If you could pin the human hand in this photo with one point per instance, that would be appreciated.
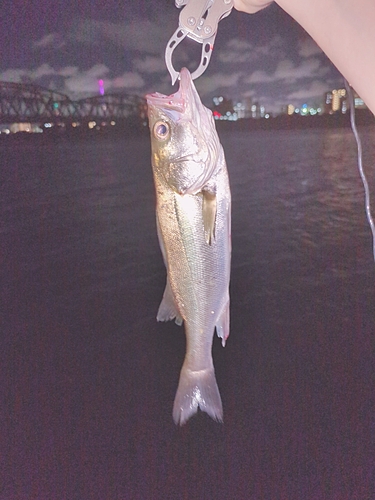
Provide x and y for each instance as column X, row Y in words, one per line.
column 251, row 6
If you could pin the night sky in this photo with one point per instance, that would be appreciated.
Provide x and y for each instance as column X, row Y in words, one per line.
column 68, row 46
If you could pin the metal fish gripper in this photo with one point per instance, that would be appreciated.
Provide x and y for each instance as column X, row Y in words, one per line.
column 199, row 21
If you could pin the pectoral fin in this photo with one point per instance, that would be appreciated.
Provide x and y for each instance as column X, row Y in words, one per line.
column 209, row 208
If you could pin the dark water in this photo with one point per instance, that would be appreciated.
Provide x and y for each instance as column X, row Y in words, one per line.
column 88, row 376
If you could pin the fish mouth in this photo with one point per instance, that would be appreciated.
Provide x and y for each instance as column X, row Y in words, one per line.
column 176, row 101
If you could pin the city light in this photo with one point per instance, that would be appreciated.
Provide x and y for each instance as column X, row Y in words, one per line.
column 331, row 102
column 334, row 101
column 37, row 110
column 101, row 86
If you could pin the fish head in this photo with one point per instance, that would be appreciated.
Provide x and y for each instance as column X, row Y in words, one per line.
column 184, row 142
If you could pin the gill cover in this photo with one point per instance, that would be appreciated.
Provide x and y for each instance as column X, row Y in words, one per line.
column 184, row 148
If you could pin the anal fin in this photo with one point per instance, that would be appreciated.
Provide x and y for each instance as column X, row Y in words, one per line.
column 167, row 309
column 222, row 325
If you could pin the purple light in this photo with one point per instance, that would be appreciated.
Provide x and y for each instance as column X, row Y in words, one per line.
column 101, row 87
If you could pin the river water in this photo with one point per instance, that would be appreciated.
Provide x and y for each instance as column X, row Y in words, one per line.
column 88, row 376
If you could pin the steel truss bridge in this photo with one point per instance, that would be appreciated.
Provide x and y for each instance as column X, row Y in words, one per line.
column 31, row 103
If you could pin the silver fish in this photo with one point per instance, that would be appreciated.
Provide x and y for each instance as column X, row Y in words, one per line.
column 193, row 214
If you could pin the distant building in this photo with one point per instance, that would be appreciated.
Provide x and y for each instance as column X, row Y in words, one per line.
column 24, row 127
column 257, row 111
column 304, row 110
column 247, row 103
column 239, row 110
column 101, row 87
column 359, row 102
column 222, row 107
column 290, row 109
column 335, row 101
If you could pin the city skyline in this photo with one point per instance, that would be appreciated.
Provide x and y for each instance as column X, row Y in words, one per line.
column 68, row 47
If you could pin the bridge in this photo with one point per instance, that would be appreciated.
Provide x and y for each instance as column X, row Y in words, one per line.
column 20, row 102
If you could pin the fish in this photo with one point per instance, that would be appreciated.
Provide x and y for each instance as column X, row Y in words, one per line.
column 193, row 221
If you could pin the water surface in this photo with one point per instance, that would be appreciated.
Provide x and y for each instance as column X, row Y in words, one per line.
column 89, row 376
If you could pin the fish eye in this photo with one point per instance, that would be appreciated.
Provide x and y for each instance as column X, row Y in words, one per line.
column 161, row 130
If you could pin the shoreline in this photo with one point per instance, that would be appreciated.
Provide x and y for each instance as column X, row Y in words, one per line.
column 135, row 128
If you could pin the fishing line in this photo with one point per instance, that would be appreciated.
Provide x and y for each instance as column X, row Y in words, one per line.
column 360, row 164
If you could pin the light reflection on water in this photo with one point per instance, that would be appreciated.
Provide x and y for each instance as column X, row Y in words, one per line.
column 301, row 191
column 297, row 203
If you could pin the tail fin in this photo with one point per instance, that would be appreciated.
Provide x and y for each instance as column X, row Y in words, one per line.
column 197, row 389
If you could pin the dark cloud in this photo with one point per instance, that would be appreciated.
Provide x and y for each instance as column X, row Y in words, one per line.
column 149, row 64
column 266, row 57
column 218, row 82
column 138, row 35
column 287, row 71
column 50, row 41
column 313, row 90
column 238, row 51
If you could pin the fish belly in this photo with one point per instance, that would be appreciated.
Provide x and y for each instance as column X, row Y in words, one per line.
column 197, row 289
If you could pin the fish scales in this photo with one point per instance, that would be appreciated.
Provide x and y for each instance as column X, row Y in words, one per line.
column 193, row 221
